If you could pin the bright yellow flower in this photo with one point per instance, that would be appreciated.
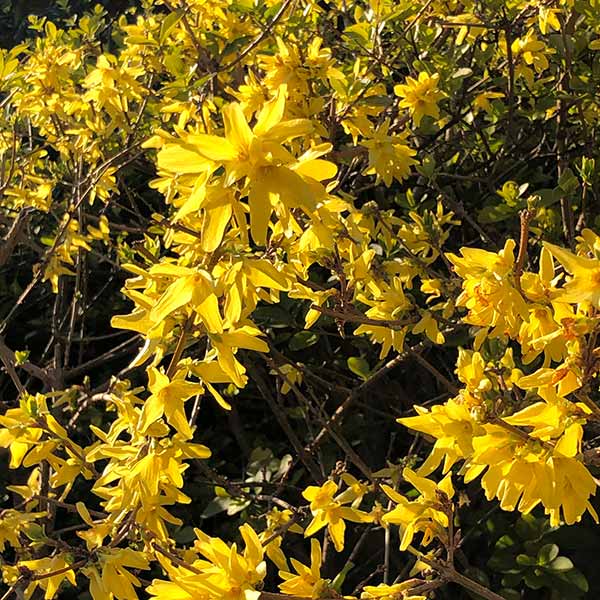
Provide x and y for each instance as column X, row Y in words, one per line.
column 328, row 512
column 397, row 591
column 110, row 577
column 420, row 96
column 308, row 582
column 225, row 574
column 425, row 514
column 522, row 473
column 277, row 519
column 454, row 428
column 389, row 156
column 268, row 172
column 584, row 283
column 489, row 291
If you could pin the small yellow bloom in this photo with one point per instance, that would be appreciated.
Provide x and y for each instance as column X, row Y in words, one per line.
column 420, row 96
column 329, row 512
column 308, row 582
column 584, row 284
column 425, row 514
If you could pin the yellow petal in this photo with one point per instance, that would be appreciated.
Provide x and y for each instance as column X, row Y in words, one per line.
column 213, row 147
column 177, row 295
column 182, row 159
column 236, row 127
column 214, row 225
column 260, row 211
column 318, row 169
column 271, row 114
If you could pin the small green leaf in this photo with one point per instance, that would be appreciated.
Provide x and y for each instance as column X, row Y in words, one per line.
column 427, row 167
column 359, row 366
column 302, row 340
column 510, row 594
column 339, row 579
column 497, row 213
column 185, row 535
column 461, row 73
column 547, row 554
column 34, row 532
column 512, row 579
column 567, row 182
column 535, row 581
column 577, row 578
column 168, row 23
column 562, row 563
column 524, row 560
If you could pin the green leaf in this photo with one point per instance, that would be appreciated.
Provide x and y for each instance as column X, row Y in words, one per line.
column 594, row 44
column 359, row 366
column 529, row 527
column 510, row 594
column 427, row 167
column 567, row 182
column 272, row 315
column 498, row 212
column 272, row 11
column 577, row 578
column 548, row 197
column 174, row 64
column 359, row 32
column 505, row 542
column 524, row 560
column 339, row 579
column 535, row 581
column 547, row 554
column 34, row 532
column 461, row 73
column 140, row 40
column 185, row 535
column 236, row 45
column 168, row 23
column 302, row 340
column 502, row 561
column 222, row 504
column 480, row 577
column 512, row 579
column 562, row 563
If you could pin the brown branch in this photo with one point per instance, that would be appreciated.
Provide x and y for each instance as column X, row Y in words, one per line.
column 441, row 378
column 202, row 53
column 91, row 181
column 520, row 433
column 8, row 360
column 264, row 33
column 172, row 368
column 526, row 216
column 284, row 423
column 14, row 234
column 357, row 392
column 510, row 92
column 175, row 559
column 449, row 573
column 67, row 506
column 76, row 565
column 121, row 349
column 332, row 430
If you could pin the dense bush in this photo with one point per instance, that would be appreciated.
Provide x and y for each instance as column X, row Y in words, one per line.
column 299, row 299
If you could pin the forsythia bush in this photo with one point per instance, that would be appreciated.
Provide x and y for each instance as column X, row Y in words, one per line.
column 300, row 299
